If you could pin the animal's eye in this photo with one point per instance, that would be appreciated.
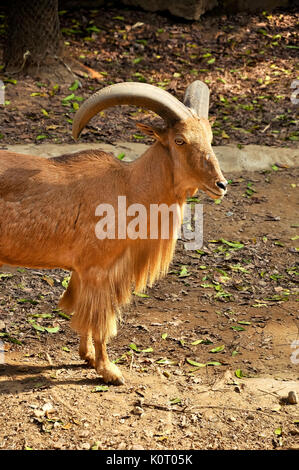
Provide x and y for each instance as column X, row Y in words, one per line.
column 179, row 140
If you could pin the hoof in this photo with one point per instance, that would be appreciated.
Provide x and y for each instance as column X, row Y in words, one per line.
column 111, row 374
column 90, row 362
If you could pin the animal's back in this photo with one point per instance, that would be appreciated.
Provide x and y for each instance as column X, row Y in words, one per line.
column 45, row 199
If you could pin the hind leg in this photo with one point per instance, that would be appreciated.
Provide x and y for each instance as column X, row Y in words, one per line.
column 86, row 349
column 68, row 304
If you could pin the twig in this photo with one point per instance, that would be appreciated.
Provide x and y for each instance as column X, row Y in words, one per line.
column 270, row 393
column 66, row 66
column 216, row 407
column 267, row 127
column 25, row 56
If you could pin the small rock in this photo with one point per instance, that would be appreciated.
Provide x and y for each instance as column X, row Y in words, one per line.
column 292, row 398
column 85, row 446
column 47, row 408
column 2, row 325
column 121, row 446
column 138, row 411
column 38, row 413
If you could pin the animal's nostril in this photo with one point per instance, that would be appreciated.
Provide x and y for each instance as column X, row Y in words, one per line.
column 221, row 185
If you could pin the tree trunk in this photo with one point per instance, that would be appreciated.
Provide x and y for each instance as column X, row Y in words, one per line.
column 33, row 35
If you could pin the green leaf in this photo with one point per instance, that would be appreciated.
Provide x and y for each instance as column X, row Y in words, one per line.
column 42, row 315
column 237, row 328
column 239, row 373
column 121, row 156
column 38, row 327
column 218, row 349
column 195, row 364
column 184, row 272
column 175, row 401
column 164, row 335
column 66, row 281
column 5, row 275
column 197, row 341
column 10, row 338
column 147, row 350
column 140, row 294
column 10, row 80
column 52, row 330
column 93, row 29
column 134, row 347
column 74, row 86
column 100, row 388
column 67, row 99
column 30, row 301
column 234, row 245
column 63, row 315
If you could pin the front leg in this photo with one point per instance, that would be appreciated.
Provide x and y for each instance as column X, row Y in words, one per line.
column 104, row 367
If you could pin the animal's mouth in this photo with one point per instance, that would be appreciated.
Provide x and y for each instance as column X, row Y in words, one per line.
column 214, row 194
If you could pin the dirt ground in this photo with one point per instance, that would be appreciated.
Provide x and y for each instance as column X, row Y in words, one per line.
column 248, row 61
column 209, row 355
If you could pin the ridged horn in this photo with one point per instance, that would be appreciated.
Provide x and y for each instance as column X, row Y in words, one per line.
column 197, row 97
column 131, row 93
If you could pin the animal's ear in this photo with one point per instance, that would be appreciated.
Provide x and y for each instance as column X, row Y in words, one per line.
column 154, row 132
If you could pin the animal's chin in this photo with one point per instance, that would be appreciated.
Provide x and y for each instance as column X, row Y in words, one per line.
column 212, row 194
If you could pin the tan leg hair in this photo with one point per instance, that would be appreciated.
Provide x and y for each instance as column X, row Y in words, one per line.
column 86, row 349
column 109, row 371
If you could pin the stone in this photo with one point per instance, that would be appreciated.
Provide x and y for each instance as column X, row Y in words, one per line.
column 292, row 398
column 188, row 9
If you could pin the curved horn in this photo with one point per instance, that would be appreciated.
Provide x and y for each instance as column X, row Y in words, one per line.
column 131, row 93
column 197, row 97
